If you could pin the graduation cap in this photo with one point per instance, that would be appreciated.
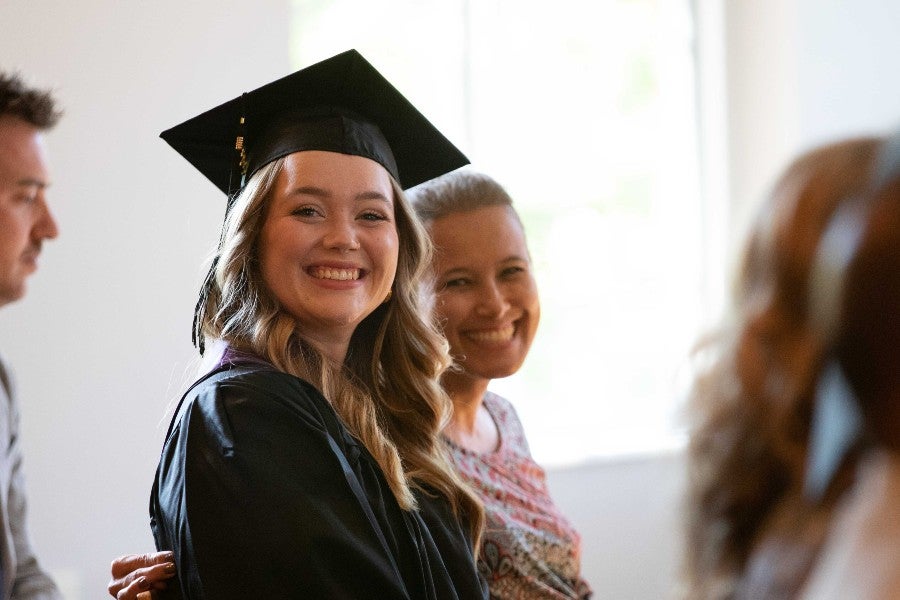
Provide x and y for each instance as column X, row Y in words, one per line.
column 341, row 104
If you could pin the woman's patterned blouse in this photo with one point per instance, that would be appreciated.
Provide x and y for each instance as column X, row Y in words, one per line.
column 529, row 549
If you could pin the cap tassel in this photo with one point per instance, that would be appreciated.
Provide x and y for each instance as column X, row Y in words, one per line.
column 240, row 158
column 197, row 337
column 238, row 165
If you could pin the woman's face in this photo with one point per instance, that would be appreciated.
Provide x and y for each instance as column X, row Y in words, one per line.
column 328, row 247
column 486, row 294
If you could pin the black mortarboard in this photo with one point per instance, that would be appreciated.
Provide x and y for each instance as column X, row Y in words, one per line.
column 341, row 104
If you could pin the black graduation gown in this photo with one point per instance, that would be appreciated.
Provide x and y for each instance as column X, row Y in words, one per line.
column 262, row 493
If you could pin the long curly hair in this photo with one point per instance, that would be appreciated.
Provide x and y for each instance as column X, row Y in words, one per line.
column 386, row 391
column 752, row 398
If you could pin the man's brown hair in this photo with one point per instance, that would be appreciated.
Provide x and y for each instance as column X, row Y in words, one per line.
column 36, row 107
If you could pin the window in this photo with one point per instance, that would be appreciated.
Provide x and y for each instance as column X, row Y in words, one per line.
column 585, row 111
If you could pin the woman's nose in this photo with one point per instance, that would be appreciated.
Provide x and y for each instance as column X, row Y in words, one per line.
column 341, row 235
column 492, row 302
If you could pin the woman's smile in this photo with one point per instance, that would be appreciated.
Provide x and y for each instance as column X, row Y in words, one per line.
column 491, row 336
column 337, row 274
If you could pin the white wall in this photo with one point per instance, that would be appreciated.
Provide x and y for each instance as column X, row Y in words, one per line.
column 102, row 341
column 101, row 345
column 848, row 65
column 800, row 73
column 628, row 512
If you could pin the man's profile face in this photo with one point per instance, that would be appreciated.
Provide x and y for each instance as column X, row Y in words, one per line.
column 25, row 219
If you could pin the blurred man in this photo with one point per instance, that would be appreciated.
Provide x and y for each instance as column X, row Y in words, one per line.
column 25, row 222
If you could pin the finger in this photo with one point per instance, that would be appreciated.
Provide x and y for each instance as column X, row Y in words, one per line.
column 126, row 564
column 145, row 596
column 135, row 590
column 115, row 587
column 154, row 577
column 158, row 574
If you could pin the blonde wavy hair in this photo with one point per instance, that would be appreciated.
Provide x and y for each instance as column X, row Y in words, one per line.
column 751, row 403
column 386, row 392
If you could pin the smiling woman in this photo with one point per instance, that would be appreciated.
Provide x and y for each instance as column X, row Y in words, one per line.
column 307, row 462
column 487, row 296
column 488, row 307
column 329, row 244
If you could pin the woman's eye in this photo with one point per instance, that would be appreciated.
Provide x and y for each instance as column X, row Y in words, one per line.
column 511, row 271
column 304, row 211
column 373, row 216
column 455, row 283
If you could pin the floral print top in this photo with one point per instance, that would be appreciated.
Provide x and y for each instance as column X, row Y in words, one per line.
column 529, row 549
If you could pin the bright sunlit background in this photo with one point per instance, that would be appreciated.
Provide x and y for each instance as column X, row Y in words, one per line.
column 586, row 114
column 591, row 112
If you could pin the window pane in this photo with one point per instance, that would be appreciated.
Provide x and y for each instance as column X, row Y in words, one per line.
column 585, row 111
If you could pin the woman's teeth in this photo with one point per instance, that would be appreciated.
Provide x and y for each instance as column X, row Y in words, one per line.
column 493, row 335
column 338, row 274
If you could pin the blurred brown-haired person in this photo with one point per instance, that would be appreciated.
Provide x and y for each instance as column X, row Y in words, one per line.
column 753, row 529
column 861, row 287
